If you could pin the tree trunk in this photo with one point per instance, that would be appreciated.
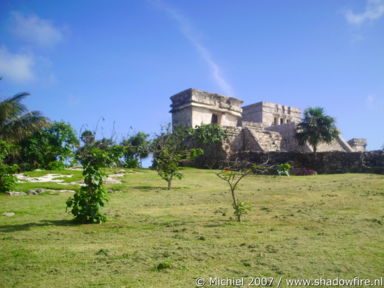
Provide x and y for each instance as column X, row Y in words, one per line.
column 315, row 151
column 235, row 206
column 170, row 182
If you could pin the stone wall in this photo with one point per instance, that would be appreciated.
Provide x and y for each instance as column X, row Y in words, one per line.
column 325, row 163
column 182, row 117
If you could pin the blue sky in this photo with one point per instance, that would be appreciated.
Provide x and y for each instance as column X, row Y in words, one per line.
column 114, row 64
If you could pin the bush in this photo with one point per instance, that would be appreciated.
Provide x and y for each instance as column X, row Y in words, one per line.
column 56, row 165
column 7, row 179
column 283, row 169
column 49, row 148
column 303, row 172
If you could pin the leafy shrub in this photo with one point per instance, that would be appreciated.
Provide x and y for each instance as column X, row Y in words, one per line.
column 283, row 169
column 107, row 145
column 208, row 134
column 131, row 163
column 49, row 148
column 7, row 178
column 303, row 171
column 56, row 165
column 135, row 148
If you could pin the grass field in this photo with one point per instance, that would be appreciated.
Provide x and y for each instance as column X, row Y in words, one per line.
column 299, row 227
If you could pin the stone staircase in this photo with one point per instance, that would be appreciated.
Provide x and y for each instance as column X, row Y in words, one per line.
column 260, row 140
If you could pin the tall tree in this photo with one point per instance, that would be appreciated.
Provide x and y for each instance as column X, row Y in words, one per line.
column 49, row 148
column 16, row 122
column 316, row 127
column 136, row 148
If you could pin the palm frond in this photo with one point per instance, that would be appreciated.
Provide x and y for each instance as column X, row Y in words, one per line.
column 16, row 129
column 12, row 107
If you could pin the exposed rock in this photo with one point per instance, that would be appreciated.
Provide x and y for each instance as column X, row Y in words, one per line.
column 12, row 193
column 8, row 214
column 45, row 178
column 32, row 192
column 113, row 178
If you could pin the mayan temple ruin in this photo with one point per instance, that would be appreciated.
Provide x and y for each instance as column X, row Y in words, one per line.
column 259, row 127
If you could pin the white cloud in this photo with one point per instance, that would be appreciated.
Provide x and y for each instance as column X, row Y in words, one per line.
column 190, row 33
column 35, row 30
column 373, row 11
column 16, row 67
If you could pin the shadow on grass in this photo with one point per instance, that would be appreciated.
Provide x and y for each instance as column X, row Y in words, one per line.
column 42, row 223
column 147, row 188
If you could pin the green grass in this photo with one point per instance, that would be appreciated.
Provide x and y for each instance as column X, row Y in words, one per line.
column 299, row 227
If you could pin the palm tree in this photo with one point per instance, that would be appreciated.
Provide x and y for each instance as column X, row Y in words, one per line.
column 316, row 127
column 16, row 122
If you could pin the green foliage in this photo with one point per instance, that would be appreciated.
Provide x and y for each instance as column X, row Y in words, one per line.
column 16, row 123
column 88, row 137
column 208, row 134
column 241, row 209
column 49, row 148
column 167, row 162
column 316, row 127
column 233, row 178
column 283, row 169
column 88, row 200
column 105, row 144
column 56, row 165
column 136, row 148
column 7, row 178
column 169, row 150
column 168, row 165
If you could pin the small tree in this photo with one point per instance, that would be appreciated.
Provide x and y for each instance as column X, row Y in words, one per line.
column 316, row 127
column 169, row 150
column 87, row 202
column 233, row 178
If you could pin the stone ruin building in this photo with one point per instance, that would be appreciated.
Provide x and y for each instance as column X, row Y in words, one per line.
column 259, row 127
